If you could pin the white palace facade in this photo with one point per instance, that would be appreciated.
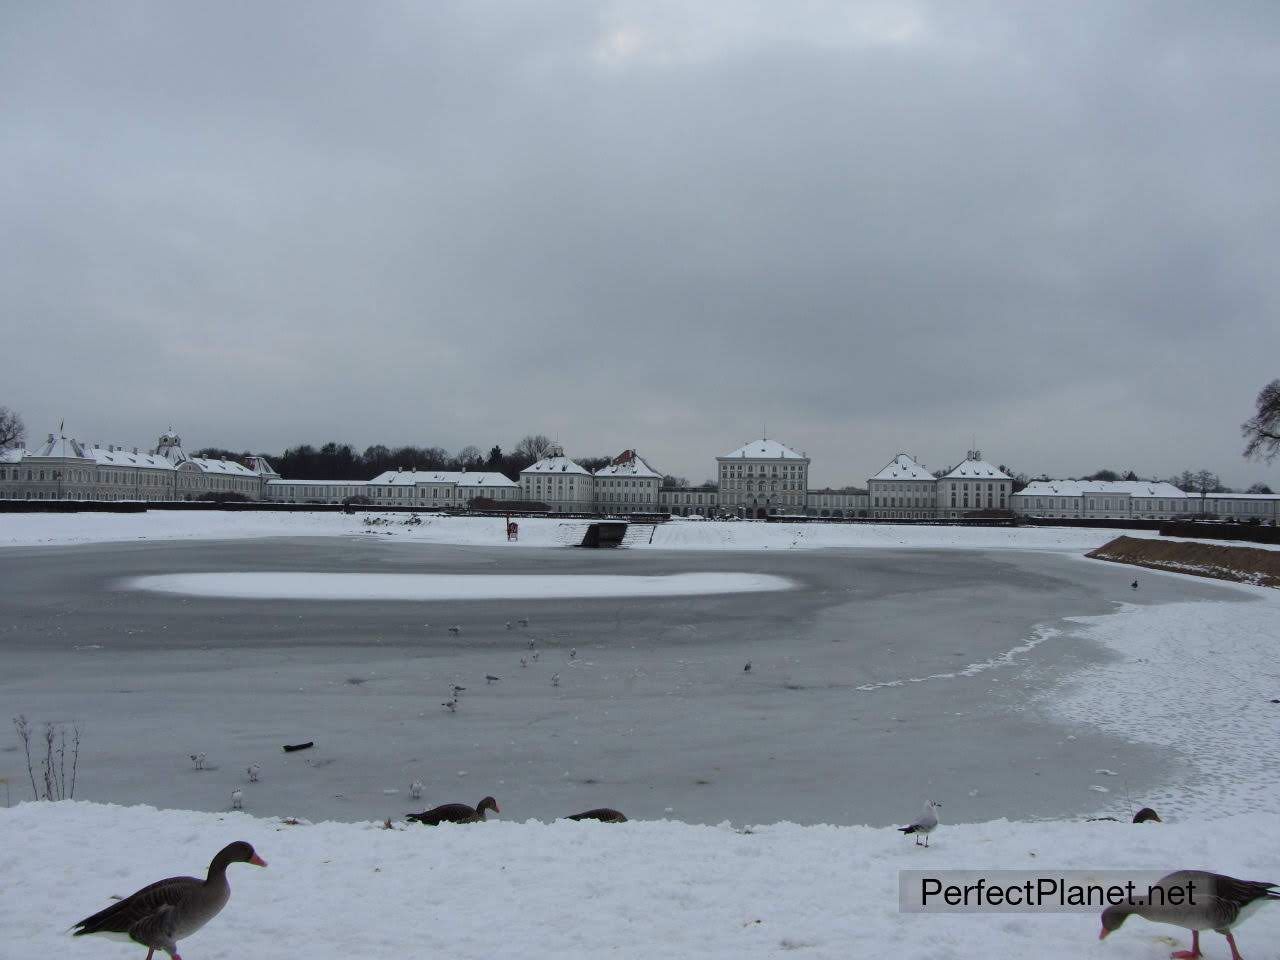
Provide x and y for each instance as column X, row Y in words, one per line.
column 762, row 478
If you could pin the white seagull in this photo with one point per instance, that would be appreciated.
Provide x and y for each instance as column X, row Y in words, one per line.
column 237, row 799
column 253, row 771
column 415, row 789
column 925, row 824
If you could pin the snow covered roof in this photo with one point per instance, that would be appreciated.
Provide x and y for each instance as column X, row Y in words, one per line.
column 62, row 448
column 903, row 467
column 462, row 478
column 119, row 457
column 556, row 465
column 222, row 466
column 765, row 450
column 1076, row 488
column 628, row 464
column 1240, row 496
column 278, row 482
column 977, row 469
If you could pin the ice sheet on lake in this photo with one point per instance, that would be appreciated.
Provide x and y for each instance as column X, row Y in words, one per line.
column 433, row 586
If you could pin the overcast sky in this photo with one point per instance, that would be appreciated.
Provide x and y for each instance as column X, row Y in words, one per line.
column 1048, row 229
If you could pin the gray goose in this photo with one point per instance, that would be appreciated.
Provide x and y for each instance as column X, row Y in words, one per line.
column 455, row 813
column 1218, row 903
column 162, row 913
column 603, row 814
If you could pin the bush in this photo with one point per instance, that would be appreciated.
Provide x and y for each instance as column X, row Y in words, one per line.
column 53, row 783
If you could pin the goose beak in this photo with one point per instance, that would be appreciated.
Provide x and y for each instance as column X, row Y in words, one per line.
column 257, row 861
column 1103, row 934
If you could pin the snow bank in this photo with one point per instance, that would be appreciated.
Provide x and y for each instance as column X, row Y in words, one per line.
column 446, row 586
column 18, row 529
column 590, row 890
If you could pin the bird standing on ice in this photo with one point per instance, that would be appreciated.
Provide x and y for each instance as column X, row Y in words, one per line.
column 555, row 679
column 253, row 771
column 924, row 824
column 455, row 630
column 164, row 912
column 1218, row 903
column 1134, row 584
column 415, row 789
column 451, row 704
column 747, row 668
column 237, row 799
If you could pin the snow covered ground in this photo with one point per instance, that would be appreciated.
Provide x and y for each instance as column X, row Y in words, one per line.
column 17, row 529
column 644, row 890
column 1201, row 678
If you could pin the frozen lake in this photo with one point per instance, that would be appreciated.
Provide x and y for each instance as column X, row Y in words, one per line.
column 881, row 678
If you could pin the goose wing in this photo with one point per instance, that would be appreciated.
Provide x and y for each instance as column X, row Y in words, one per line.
column 121, row 917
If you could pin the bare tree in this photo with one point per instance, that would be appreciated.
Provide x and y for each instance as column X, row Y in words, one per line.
column 533, row 448
column 470, row 457
column 1262, row 430
column 12, row 430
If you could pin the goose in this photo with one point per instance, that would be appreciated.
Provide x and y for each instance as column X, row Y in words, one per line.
column 1217, row 903
column 164, row 912
column 455, row 813
column 603, row 814
column 924, row 824
column 1134, row 584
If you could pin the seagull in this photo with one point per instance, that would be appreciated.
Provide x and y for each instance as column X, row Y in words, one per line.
column 415, row 789
column 237, row 799
column 451, row 704
column 524, row 661
column 490, row 678
column 555, row 679
column 532, row 644
column 925, row 824
column 455, row 630
column 1201, row 901
column 198, row 759
column 457, row 690
column 535, row 654
column 523, row 621
column 253, row 772
column 573, row 654
column 508, row 624
column 747, row 668
column 164, row 912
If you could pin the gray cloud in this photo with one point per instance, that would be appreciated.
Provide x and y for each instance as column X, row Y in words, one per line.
column 1049, row 229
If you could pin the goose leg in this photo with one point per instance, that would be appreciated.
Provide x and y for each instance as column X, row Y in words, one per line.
column 1191, row 954
column 1235, row 954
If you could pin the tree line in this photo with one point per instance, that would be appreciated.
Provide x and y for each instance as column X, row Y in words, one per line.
column 342, row 461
